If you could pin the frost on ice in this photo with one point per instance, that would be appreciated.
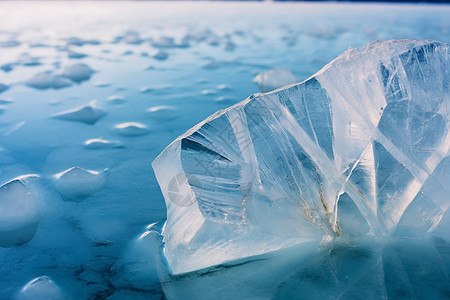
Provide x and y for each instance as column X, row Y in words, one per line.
column 359, row 149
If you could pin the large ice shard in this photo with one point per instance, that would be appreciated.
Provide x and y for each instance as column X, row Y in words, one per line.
column 360, row 148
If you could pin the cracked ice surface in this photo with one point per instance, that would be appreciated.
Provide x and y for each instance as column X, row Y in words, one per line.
column 360, row 148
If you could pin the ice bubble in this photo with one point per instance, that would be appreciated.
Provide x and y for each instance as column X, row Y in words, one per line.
column 46, row 80
column 77, row 183
column 78, row 72
column 3, row 87
column 41, row 288
column 9, row 44
column 4, row 101
column 273, row 79
column 2, row 109
column 101, row 144
column 131, row 129
column 162, row 112
column 88, row 114
column 23, row 204
column 160, row 55
column 116, row 99
column 132, row 37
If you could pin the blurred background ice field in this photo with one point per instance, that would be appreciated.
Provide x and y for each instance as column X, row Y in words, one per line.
column 92, row 92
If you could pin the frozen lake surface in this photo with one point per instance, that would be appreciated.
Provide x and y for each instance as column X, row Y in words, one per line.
column 91, row 93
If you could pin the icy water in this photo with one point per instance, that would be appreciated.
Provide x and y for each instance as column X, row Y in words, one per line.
column 145, row 73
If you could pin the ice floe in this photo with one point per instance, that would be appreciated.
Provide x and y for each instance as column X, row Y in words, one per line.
column 88, row 114
column 41, row 288
column 160, row 55
column 131, row 129
column 47, row 80
column 78, row 72
column 99, row 143
column 77, row 183
column 116, row 99
column 163, row 112
column 23, row 204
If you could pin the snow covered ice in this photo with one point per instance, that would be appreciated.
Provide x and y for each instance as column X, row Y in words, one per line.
column 359, row 149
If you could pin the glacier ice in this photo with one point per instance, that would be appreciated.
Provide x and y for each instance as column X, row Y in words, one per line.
column 359, row 149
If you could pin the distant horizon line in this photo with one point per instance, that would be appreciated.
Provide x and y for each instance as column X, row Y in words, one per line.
column 348, row 1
